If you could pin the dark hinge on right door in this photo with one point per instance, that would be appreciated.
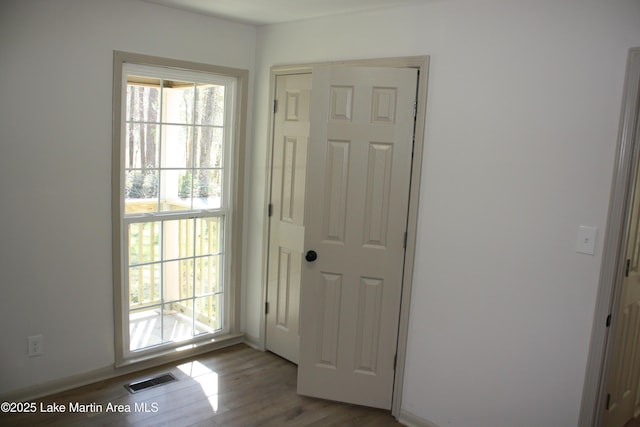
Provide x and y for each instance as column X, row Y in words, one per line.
column 266, row 307
column 608, row 321
column 275, row 105
column 270, row 209
column 608, row 401
column 626, row 271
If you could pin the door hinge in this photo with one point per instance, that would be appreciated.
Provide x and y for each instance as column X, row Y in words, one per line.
column 606, row 406
column 395, row 361
column 266, row 307
column 405, row 240
column 275, row 105
column 608, row 321
column 626, row 271
column 270, row 209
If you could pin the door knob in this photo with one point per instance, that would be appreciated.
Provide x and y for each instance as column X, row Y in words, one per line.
column 311, row 256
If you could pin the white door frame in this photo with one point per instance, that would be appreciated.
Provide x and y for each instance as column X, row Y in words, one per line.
column 421, row 63
column 613, row 262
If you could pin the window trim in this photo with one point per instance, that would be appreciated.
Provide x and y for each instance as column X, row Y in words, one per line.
column 234, row 250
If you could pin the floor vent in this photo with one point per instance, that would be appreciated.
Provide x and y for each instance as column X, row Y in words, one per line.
column 142, row 385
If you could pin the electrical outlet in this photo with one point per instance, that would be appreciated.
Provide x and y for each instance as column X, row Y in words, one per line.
column 35, row 345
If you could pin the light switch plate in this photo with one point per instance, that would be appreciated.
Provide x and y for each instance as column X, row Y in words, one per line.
column 586, row 243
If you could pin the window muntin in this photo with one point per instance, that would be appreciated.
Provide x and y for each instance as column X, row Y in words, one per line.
column 175, row 133
column 175, row 201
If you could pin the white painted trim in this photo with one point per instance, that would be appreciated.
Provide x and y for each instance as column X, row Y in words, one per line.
column 253, row 342
column 412, row 420
column 594, row 391
column 108, row 372
column 421, row 63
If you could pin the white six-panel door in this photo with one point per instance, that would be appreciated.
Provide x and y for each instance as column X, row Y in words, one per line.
column 357, row 193
column 286, row 239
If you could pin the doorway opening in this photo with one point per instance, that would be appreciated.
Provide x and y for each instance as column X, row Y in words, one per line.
column 292, row 88
column 611, row 393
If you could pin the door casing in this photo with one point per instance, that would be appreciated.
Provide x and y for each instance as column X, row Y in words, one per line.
column 421, row 63
column 613, row 263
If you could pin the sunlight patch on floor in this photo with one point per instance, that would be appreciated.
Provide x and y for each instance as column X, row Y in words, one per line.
column 207, row 379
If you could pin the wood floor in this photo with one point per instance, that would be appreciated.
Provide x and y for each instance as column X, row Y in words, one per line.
column 635, row 422
column 237, row 386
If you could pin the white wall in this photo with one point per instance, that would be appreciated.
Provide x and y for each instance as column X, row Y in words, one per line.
column 55, row 167
column 522, row 119
column 523, row 108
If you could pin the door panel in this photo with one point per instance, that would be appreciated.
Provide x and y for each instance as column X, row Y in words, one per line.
column 337, row 176
column 624, row 378
column 291, row 134
column 358, row 176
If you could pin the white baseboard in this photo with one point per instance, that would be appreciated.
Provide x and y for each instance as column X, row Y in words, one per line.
column 254, row 342
column 108, row 372
column 60, row 385
column 412, row 420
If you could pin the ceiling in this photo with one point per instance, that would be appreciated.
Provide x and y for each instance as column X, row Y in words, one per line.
column 261, row 12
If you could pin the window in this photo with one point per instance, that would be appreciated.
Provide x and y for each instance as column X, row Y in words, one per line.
column 176, row 145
